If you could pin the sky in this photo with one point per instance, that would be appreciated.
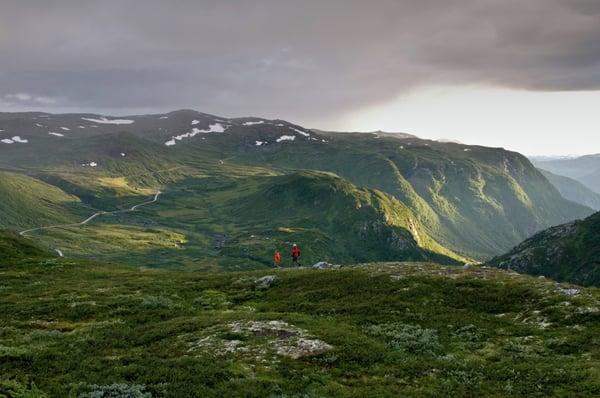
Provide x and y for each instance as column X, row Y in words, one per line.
column 524, row 75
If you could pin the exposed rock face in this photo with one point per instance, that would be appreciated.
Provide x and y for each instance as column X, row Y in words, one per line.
column 266, row 281
column 116, row 391
column 571, row 292
column 540, row 248
column 568, row 252
column 303, row 347
column 262, row 339
column 325, row 265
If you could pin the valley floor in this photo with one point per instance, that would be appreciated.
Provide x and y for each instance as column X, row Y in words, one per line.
column 392, row 329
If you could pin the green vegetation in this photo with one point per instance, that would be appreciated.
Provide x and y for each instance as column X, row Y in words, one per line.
column 477, row 201
column 12, row 246
column 228, row 203
column 230, row 223
column 27, row 202
column 569, row 252
column 398, row 329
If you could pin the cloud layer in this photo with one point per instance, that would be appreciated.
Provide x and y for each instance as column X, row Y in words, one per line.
column 303, row 60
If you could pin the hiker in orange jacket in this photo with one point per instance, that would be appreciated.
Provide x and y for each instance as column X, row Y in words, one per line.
column 295, row 255
column 277, row 259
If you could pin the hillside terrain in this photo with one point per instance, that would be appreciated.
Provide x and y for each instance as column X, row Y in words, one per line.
column 585, row 169
column 475, row 200
column 568, row 252
column 235, row 189
column 233, row 223
column 29, row 202
column 574, row 190
column 86, row 329
column 13, row 247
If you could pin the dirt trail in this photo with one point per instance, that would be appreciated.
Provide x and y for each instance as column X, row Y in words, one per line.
column 90, row 218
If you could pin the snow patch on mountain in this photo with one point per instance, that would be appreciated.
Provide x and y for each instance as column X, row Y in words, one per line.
column 90, row 164
column 259, row 143
column 163, row 117
column 39, row 125
column 104, row 120
column 286, row 138
column 300, row 132
column 212, row 128
column 65, row 129
column 253, row 123
column 56, row 134
column 15, row 139
column 194, row 122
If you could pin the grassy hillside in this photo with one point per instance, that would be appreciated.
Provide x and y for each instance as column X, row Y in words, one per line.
column 27, row 202
column 14, row 247
column 359, row 224
column 236, row 222
column 387, row 330
column 574, row 190
column 474, row 201
column 478, row 201
column 569, row 252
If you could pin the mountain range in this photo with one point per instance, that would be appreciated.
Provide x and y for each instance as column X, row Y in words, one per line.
column 573, row 190
column 232, row 190
column 585, row 169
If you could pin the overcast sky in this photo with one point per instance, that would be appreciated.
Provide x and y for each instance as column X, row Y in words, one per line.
column 522, row 74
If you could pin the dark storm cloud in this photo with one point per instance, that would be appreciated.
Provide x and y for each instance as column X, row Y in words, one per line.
column 303, row 60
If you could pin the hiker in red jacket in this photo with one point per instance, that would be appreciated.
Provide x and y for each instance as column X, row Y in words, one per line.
column 277, row 259
column 295, row 255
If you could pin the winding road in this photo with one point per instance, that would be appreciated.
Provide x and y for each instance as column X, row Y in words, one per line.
column 90, row 218
column 101, row 213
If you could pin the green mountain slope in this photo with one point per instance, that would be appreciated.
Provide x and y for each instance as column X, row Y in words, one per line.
column 356, row 224
column 573, row 190
column 478, row 201
column 27, row 202
column 569, row 252
column 14, row 247
column 383, row 330
column 231, row 222
column 474, row 201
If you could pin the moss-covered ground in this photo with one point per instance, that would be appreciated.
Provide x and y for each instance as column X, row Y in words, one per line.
column 391, row 329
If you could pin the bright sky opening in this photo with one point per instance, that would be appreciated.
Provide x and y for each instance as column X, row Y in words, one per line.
column 532, row 122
